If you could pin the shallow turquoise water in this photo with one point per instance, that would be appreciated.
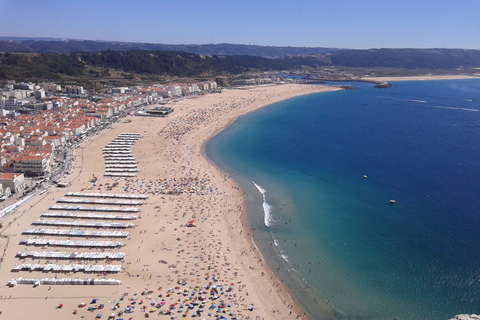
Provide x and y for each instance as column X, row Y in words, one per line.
column 360, row 256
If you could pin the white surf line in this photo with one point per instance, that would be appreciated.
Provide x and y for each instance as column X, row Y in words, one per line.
column 267, row 219
column 421, row 101
column 454, row 108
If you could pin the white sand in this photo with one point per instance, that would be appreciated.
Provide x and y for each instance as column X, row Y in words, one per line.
column 161, row 249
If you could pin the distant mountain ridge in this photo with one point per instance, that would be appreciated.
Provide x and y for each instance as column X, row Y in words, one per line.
column 66, row 46
column 54, row 59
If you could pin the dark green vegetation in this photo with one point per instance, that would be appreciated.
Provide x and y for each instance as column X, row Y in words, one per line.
column 407, row 58
column 111, row 65
column 69, row 46
column 161, row 63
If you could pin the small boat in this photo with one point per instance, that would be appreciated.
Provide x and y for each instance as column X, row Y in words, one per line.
column 392, row 201
column 364, row 176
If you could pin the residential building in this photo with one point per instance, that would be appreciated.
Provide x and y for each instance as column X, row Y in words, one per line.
column 14, row 181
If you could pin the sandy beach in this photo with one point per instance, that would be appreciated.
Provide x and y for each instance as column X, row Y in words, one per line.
column 425, row 77
column 211, row 264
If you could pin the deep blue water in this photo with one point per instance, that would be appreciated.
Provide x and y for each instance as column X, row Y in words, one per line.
column 362, row 257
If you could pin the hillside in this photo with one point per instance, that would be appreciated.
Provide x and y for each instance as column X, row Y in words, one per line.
column 163, row 64
column 8, row 44
column 407, row 58
column 159, row 63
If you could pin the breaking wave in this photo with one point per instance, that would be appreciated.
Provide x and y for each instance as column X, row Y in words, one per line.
column 266, row 207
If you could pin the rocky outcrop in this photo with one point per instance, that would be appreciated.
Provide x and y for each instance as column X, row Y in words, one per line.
column 466, row 317
column 383, row 85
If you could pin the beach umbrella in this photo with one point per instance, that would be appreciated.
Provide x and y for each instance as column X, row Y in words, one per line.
column 99, row 315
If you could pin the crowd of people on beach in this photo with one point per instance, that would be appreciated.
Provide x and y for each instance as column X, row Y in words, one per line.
column 174, row 186
column 173, row 267
column 184, row 124
column 181, row 125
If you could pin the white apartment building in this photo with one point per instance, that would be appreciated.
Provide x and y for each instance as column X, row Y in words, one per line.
column 31, row 165
column 74, row 90
column 14, row 181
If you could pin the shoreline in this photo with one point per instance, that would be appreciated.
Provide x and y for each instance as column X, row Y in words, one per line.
column 287, row 294
column 419, row 78
column 171, row 148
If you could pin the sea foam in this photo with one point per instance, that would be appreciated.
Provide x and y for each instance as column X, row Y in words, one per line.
column 266, row 207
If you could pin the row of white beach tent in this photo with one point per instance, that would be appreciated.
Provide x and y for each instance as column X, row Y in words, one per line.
column 64, row 281
column 121, row 203
column 83, row 224
column 120, row 159
column 128, row 151
column 119, row 145
column 106, row 195
column 122, row 142
column 92, row 208
column 121, row 170
column 117, row 150
column 96, row 216
column 120, row 166
column 130, row 134
column 110, row 153
column 71, row 255
column 71, row 243
column 102, row 201
column 67, row 267
column 121, row 162
column 120, row 139
column 116, row 155
column 119, row 174
column 107, row 152
column 76, row 233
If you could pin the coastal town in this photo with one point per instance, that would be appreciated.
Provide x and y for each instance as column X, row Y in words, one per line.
column 96, row 178
column 169, row 160
column 41, row 122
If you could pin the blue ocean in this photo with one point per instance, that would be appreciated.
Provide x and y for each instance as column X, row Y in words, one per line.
column 319, row 172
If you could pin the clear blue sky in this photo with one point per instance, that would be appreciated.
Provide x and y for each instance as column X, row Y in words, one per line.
column 357, row 24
